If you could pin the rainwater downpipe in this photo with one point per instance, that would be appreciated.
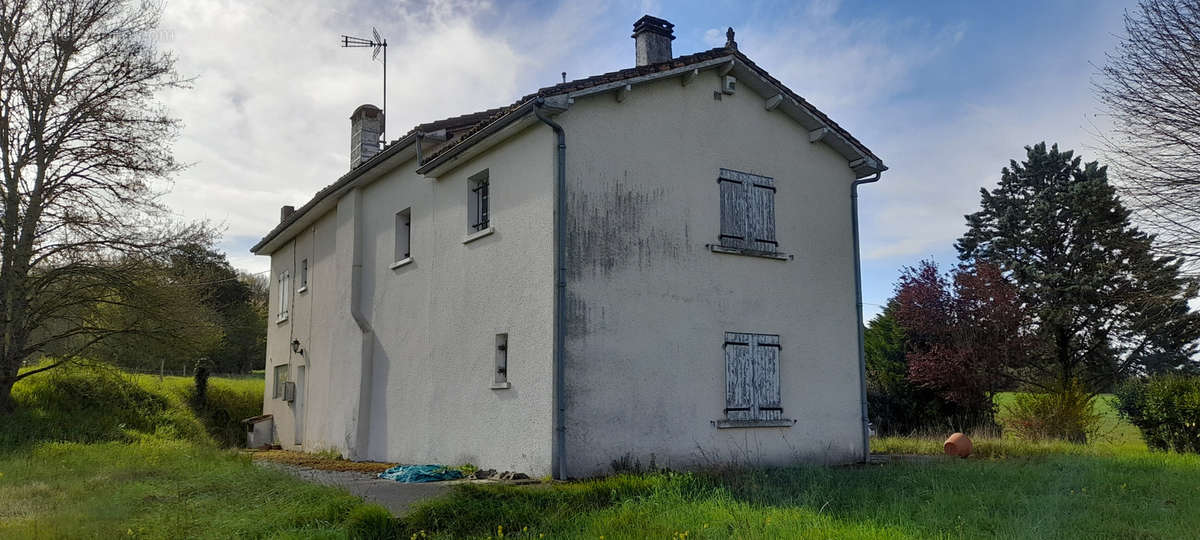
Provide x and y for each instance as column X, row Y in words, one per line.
column 362, row 412
column 558, row 452
column 858, row 296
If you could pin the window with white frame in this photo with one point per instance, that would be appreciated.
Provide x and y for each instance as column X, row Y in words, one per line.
column 478, row 204
column 281, row 377
column 747, row 212
column 285, row 295
column 403, row 234
column 303, row 275
column 752, row 380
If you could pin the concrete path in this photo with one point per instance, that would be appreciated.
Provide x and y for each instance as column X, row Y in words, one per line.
column 394, row 496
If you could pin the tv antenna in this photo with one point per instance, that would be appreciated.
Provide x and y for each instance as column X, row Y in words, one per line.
column 379, row 45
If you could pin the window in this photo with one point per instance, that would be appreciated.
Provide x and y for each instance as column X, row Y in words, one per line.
column 403, row 234
column 478, row 206
column 501, row 377
column 752, row 395
column 285, row 294
column 747, row 212
column 303, row 275
column 281, row 377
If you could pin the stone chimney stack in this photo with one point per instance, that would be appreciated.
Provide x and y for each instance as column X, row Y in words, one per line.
column 653, row 37
column 285, row 212
column 366, row 126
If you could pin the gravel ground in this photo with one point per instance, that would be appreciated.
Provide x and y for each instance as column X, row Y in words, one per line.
column 394, row 496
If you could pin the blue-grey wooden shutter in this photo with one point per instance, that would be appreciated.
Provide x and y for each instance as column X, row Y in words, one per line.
column 767, row 402
column 739, row 376
column 733, row 209
column 761, row 214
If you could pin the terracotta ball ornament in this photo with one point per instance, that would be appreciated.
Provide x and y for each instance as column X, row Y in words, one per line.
column 958, row 445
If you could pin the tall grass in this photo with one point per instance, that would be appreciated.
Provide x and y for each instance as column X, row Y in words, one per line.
column 94, row 452
column 157, row 488
column 1137, row 496
column 97, row 403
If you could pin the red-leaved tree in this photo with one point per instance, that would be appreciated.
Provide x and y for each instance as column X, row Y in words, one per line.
column 965, row 332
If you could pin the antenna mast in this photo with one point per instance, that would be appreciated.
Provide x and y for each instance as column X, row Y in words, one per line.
column 379, row 45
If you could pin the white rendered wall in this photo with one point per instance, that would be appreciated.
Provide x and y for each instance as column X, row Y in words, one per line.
column 649, row 303
column 433, row 320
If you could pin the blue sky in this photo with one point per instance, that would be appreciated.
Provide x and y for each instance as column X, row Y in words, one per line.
column 946, row 93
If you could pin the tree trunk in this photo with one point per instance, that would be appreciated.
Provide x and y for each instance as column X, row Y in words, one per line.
column 7, row 405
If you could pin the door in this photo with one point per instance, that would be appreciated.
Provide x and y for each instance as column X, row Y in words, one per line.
column 298, row 404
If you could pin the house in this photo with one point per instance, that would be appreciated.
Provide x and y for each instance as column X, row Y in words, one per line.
column 658, row 262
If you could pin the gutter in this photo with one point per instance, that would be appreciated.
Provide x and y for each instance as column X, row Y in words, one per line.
column 862, row 357
column 558, row 452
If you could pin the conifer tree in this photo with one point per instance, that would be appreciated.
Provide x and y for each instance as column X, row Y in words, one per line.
column 1103, row 304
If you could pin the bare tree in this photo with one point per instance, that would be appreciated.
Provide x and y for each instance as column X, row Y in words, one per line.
column 85, row 155
column 1151, row 85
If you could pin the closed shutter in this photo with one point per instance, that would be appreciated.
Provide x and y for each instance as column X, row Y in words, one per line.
column 761, row 214
column 733, row 210
column 739, row 376
column 752, row 377
column 766, row 378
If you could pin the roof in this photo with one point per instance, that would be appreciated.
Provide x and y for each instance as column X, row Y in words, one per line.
column 460, row 129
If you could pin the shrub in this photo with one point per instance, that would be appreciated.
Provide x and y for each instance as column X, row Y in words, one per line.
column 1069, row 415
column 371, row 522
column 1166, row 409
column 92, row 403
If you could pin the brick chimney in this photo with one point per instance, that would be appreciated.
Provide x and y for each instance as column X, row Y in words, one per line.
column 652, row 37
column 366, row 126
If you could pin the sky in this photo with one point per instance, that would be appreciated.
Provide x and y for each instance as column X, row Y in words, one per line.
column 945, row 93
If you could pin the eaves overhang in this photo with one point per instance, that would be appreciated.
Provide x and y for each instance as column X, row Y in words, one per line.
column 400, row 151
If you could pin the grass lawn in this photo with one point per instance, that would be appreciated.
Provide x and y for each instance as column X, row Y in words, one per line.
column 1113, row 487
column 1137, row 496
column 158, row 489
column 97, row 453
column 112, row 455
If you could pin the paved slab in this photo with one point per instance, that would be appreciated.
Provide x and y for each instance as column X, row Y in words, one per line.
column 395, row 496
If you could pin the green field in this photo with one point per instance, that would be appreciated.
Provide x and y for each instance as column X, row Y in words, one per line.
column 97, row 453
column 105, row 454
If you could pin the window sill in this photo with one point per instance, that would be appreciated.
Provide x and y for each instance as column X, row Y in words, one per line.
column 501, row 385
column 732, row 424
column 478, row 234
column 281, row 320
column 402, row 262
column 302, row 290
column 717, row 248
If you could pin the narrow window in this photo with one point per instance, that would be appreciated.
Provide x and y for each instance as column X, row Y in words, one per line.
column 478, row 205
column 403, row 234
column 752, row 377
column 304, row 275
column 285, row 294
column 281, row 377
column 747, row 211
column 501, row 376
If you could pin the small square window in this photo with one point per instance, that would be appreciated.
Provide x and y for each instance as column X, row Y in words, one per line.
column 403, row 234
column 501, row 378
column 281, row 377
column 478, row 204
column 285, row 295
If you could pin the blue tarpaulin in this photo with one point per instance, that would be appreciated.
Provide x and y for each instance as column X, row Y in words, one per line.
column 420, row 473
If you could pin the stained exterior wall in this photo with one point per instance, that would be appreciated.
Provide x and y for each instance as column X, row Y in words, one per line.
column 649, row 304
column 433, row 321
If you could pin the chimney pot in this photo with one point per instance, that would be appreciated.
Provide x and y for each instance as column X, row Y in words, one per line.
column 652, row 38
column 366, row 127
column 286, row 211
